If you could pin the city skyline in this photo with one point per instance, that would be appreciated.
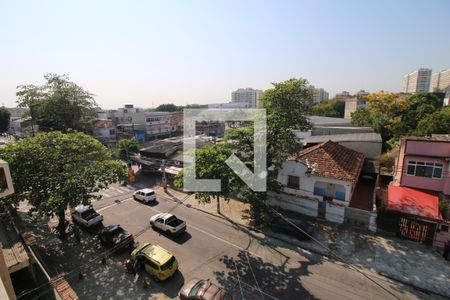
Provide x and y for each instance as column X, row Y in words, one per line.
column 153, row 53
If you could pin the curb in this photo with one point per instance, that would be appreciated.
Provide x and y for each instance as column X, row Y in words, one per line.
column 326, row 254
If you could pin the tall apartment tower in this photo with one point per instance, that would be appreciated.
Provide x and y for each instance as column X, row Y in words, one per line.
column 441, row 82
column 249, row 96
column 417, row 81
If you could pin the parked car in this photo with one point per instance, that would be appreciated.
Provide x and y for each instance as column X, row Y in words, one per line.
column 115, row 236
column 282, row 226
column 168, row 223
column 145, row 195
column 156, row 261
column 86, row 216
column 198, row 289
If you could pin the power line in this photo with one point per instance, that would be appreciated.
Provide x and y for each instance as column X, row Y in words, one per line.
column 332, row 252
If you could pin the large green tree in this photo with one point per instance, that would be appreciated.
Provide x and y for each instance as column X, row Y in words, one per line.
column 55, row 170
column 210, row 164
column 125, row 146
column 287, row 106
column 4, row 119
column 59, row 104
column 167, row 107
column 437, row 122
column 331, row 108
column 393, row 115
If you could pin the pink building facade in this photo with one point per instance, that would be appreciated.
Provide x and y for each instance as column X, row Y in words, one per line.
column 424, row 163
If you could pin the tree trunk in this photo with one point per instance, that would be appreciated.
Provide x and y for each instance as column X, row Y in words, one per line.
column 62, row 224
column 218, row 203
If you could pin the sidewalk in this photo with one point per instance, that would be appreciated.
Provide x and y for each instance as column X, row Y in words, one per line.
column 402, row 260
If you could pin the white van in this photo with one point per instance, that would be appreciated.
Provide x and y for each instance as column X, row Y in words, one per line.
column 145, row 195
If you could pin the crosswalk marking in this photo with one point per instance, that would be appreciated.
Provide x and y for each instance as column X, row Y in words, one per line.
column 115, row 191
column 105, row 194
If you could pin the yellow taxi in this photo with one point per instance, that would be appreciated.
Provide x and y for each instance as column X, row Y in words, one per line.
column 156, row 260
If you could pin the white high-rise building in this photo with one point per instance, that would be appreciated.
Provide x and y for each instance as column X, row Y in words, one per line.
column 417, row 81
column 318, row 94
column 249, row 96
column 441, row 82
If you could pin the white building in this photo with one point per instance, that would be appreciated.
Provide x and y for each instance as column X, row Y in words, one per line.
column 318, row 94
column 105, row 131
column 157, row 124
column 249, row 96
column 417, row 81
column 229, row 105
column 325, row 172
column 441, row 82
column 352, row 104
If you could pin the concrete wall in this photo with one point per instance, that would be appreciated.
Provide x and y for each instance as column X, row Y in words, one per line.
column 308, row 183
column 296, row 204
column 334, row 213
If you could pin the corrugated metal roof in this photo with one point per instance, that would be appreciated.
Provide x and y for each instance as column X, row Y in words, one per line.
column 348, row 137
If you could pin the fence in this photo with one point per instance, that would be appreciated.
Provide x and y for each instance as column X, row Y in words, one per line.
column 333, row 212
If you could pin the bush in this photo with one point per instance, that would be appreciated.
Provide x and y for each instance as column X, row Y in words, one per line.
column 386, row 161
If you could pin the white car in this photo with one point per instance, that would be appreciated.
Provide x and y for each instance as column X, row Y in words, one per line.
column 86, row 216
column 168, row 223
column 145, row 195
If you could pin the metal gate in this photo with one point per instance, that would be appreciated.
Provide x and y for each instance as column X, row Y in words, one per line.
column 417, row 230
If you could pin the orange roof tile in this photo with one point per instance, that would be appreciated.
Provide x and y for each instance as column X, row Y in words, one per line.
column 333, row 161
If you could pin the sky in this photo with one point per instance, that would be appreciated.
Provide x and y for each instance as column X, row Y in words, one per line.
column 151, row 52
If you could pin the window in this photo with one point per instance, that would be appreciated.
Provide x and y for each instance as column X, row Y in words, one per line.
column 151, row 264
column 424, row 169
column 293, row 182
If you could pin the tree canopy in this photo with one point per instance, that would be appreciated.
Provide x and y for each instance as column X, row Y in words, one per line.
column 168, row 107
column 4, row 119
column 125, row 146
column 393, row 115
column 59, row 104
column 330, row 108
column 210, row 164
column 55, row 170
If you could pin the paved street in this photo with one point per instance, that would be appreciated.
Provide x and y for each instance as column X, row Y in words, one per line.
column 251, row 266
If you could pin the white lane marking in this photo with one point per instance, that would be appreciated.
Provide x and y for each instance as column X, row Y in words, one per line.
column 105, row 194
column 124, row 189
column 191, row 226
column 113, row 204
column 115, row 189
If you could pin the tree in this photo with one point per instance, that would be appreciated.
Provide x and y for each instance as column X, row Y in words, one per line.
column 437, row 122
column 167, row 107
column 55, row 170
column 384, row 111
column 125, row 146
column 210, row 164
column 393, row 115
column 59, row 104
column 331, row 108
column 286, row 105
column 4, row 119
column 361, row 117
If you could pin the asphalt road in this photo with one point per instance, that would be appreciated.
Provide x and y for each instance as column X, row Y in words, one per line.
column 249, row 265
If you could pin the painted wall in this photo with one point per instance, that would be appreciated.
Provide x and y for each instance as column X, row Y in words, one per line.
column 425, row 151
column 308, row 184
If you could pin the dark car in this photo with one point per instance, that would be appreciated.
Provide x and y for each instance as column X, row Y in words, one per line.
column 284, row 226
column 115, row 236
column 198, row 289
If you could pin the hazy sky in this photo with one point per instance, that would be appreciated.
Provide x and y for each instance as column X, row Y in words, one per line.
column 153, row 52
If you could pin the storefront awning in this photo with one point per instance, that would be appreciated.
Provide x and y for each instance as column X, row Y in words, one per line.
column 413, row 202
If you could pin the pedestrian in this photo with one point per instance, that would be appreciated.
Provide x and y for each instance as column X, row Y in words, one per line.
column 77, row 233
column 446, row 254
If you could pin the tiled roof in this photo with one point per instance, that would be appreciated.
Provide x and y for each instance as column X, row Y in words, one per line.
column 103, row 124
column 333, row 161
